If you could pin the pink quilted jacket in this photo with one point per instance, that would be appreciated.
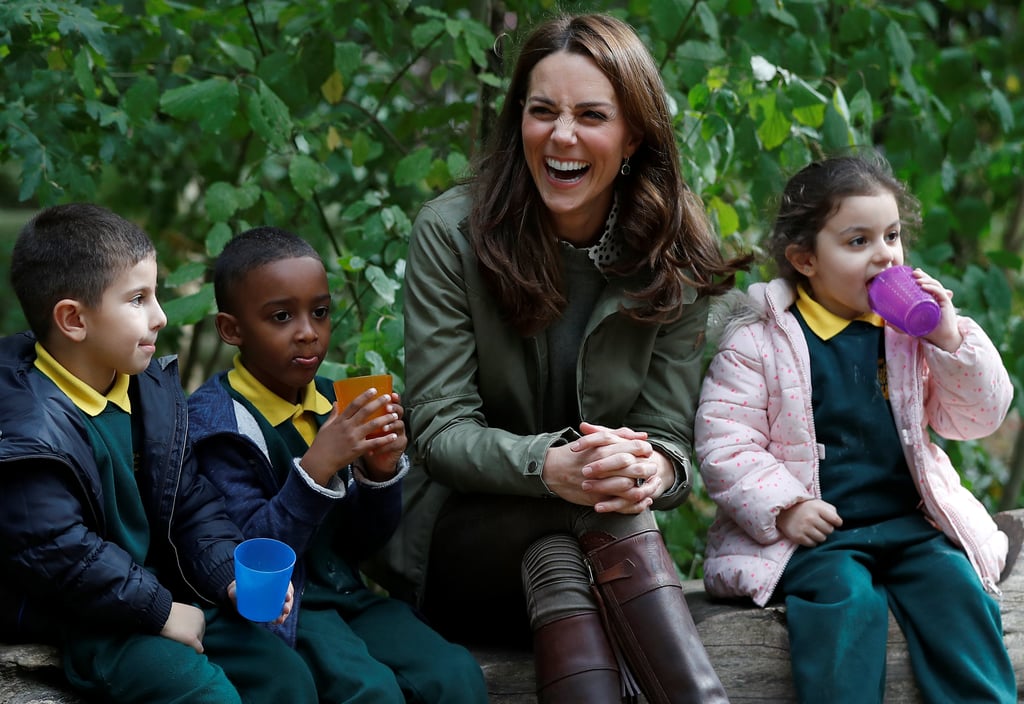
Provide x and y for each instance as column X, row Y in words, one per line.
column 755, row 441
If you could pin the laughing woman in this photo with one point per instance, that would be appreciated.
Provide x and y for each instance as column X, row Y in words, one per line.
column 555, row 315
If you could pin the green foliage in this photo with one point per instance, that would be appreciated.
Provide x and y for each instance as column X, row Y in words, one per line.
column 338, row 119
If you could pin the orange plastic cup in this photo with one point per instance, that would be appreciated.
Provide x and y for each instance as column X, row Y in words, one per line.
column 345, row 390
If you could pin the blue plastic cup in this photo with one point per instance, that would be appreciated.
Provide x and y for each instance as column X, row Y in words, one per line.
column 263, row 569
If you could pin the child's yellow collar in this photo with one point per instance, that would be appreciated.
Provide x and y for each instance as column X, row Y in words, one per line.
column 271, row 406
column 85, row 398
column 823, row 322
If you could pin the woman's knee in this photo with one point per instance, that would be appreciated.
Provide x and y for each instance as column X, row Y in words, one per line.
column 618, row 525
column 556, row 581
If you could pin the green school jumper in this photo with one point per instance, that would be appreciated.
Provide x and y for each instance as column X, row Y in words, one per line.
column 151, row 669
column 885, row 556
column 363, row 648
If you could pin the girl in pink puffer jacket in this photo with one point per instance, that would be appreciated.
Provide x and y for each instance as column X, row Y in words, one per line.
column 812, row 437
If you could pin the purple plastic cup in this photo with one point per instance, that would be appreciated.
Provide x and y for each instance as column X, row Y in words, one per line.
column 899, row 299
column 263, row 569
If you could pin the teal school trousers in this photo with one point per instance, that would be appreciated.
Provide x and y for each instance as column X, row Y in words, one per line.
column 242, row 662
column 838, row 595
column 363, row 648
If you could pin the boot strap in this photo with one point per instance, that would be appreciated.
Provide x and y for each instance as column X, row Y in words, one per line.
column 630, row 687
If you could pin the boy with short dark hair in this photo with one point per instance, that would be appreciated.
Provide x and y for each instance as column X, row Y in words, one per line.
column 108, row 534
column 294, row 466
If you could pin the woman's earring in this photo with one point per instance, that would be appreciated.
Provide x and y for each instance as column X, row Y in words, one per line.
column 624, row 169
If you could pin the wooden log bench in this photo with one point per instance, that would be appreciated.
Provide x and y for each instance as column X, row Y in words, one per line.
column 748, row 646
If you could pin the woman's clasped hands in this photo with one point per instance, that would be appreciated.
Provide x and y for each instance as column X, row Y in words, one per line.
column 611, row 469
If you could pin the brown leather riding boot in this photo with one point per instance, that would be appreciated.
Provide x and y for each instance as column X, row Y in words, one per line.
column 575, row 663
column 642, row 598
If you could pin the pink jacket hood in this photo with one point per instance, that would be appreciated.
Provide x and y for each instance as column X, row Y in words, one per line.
column 755, row 441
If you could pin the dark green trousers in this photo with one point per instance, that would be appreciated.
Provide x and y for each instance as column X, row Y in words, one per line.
column 242, row 662
column 363, row 648
column 838, row 596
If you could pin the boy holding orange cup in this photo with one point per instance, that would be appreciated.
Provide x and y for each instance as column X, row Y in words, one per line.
column 319, row 472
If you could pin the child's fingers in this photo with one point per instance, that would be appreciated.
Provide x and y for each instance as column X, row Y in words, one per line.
column 365, row 406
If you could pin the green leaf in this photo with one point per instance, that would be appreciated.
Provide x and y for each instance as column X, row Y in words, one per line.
column 190, row 271
column 141, row 99
column 414, row 167
column 854, row 25
column 438, row 178
column 352, row 263
column 218, row 236
column 836, row 134
column 424, row 33
column 899, row 46
column 431, row 12
column 708, row 20
column 774, row 9
column 963, row 139
column 190, row 309
column 269, row 116
column 34, row 163
column 693, row 57
column 773, row 126
column 1004, row 112
column 478, row 41
column 239, row 54
column 248, row 194
column 212, row 102
column 839, row 103
column 360, row 148
column 973, row 216
column 438, row 76
column 382, row 284
column 348, row 58
column 376, row 362
column 357, row 209
column 1006, row 260
column 862, row 109
column 666, row 18
column 305, row 174
column 998, row 295
column 699, row 96
column 75, row 18
column 808, row 104
column 458, row 165
column 106, row 115
column 221, row 202
column 728, row 219
column 83, row 74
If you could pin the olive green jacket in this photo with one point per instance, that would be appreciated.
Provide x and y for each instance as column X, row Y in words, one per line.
column 474, row 386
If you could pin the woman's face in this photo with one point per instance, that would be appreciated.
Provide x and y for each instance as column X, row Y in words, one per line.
column 574, row 138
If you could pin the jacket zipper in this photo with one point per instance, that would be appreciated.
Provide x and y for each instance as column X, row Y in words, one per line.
column 170, row 521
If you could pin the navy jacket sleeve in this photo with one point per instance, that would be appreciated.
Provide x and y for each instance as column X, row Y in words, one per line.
column 55, row 559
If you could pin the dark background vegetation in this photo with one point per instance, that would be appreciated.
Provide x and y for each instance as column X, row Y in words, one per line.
column 337, row 119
